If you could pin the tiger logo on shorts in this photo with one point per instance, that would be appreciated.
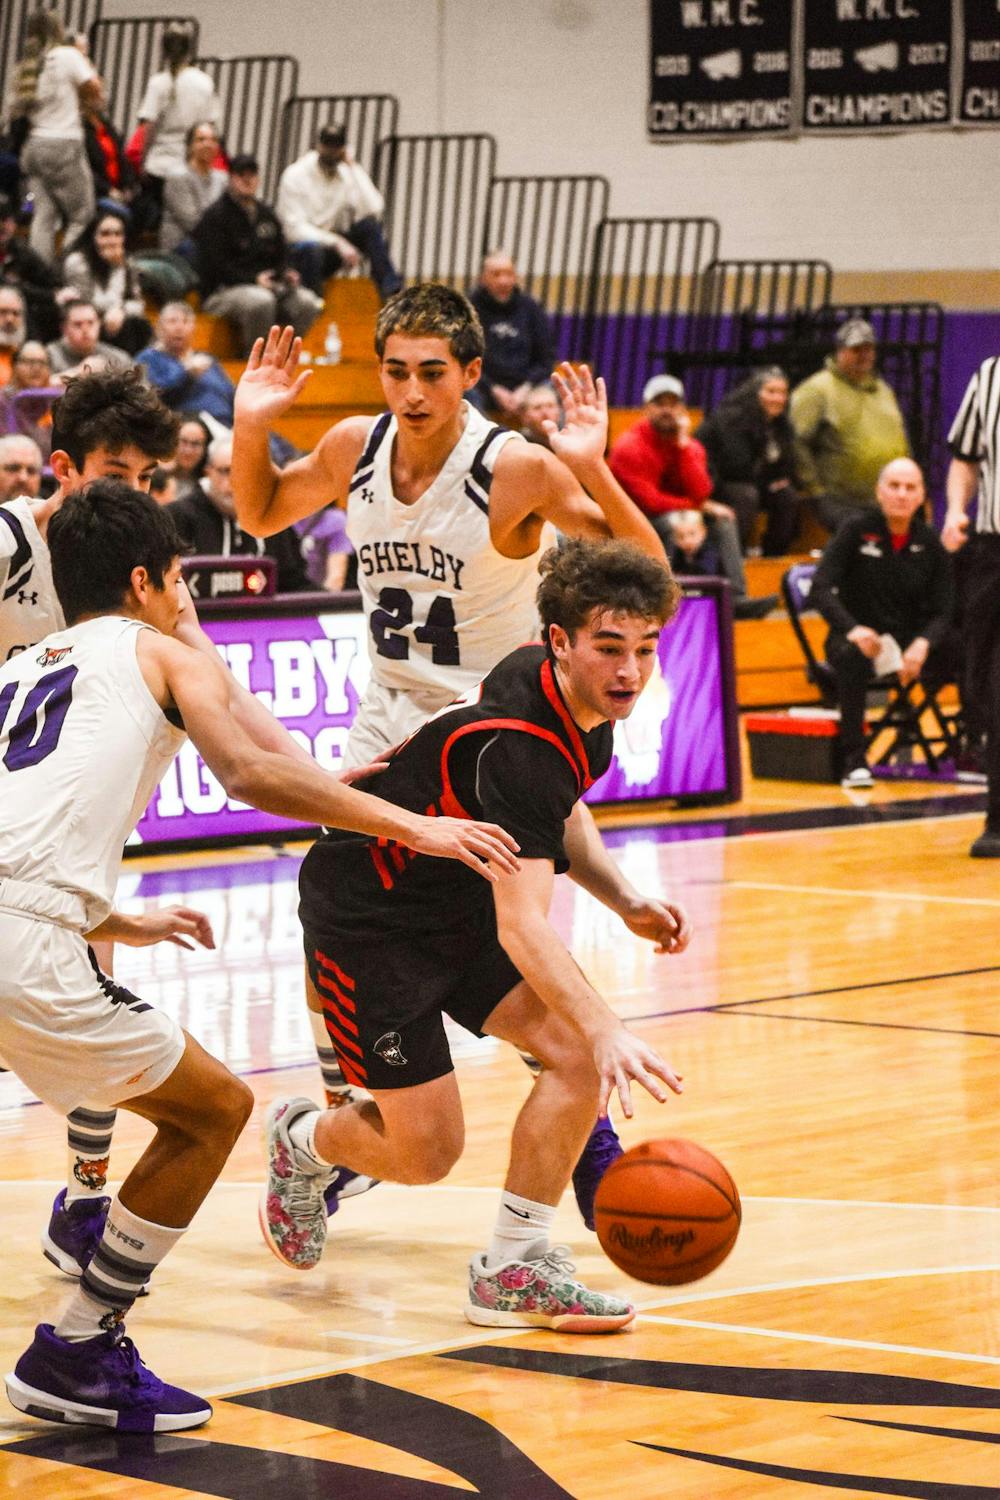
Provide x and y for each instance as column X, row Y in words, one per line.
column 389, row 1048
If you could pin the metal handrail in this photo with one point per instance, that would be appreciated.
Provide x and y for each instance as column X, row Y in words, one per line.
column 367, row 119
column 126, row 51
column 436, row 189
column 252, row 91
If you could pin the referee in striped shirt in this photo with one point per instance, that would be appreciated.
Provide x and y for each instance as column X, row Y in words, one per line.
column 974, row 440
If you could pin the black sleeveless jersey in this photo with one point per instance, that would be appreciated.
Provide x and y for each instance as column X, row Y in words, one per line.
column 516, row 757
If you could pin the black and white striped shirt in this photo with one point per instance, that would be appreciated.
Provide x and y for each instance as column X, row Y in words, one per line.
column 975, row 438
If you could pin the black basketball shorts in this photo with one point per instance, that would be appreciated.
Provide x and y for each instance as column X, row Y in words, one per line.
column 385, row 997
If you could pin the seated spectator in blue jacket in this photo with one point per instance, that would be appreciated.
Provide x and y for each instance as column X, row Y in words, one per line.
column 520, row 351
column 751, row 449
column 189, row 380
column 884, row 574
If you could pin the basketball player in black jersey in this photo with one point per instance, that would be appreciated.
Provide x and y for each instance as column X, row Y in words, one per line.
column 393, row 942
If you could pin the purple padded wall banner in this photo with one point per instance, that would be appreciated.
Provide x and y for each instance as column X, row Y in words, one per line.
column 310, row 669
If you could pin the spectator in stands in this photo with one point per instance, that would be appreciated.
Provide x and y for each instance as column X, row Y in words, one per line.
column 23, row 268
column 163, row 486
column 13, row 328
column 81, row 343
column 750, row 444
column 29, row 416
column 849, row 424
column 243, row 262
column 520, row 351
column 99, row 271
column 330, row 210
column 187, row 194
column 54, row 159
column 326, row 551
column 884, row 573
column 664, row 469
column 115, row 181
column 691, row 553
column 541, row 405
column 20, row 468
column 188, row 379
column 193, row 438
column 177, row 97
column 206, row 521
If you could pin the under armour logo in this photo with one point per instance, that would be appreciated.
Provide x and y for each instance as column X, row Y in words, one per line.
column 25, row 598
column 367, row 494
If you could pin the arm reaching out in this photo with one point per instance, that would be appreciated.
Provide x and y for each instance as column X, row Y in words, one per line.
column 535, row 947
column 664, row 923
column 169, row 924
column 294, row 789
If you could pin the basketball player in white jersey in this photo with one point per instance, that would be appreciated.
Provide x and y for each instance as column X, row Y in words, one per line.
column 446, row 514
column 87, row 729
column 109, row 424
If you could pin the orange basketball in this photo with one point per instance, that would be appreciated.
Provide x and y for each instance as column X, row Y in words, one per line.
column 667, row 1212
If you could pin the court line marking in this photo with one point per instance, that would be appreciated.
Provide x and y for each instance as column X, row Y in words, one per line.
column 820, row 1338
column 736, row 840
column 807, row 1283
column 853, row 894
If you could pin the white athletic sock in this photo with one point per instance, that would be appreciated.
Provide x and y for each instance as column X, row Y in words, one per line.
column 302, row 1134
column 521, row 1231
column 123, row 1262
column 336, row 1088
column 88, row 1136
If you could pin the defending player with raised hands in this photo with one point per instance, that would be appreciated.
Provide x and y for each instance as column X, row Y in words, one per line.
column 88, row 725
column 446, row 514
column 393, row 944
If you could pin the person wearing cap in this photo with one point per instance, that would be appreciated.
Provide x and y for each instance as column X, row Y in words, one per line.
column 330, row 210
column 665, row 469
column 242, row 262
column 849, row 426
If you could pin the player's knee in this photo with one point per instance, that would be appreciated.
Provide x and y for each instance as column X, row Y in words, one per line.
column 226, row 1107
column 433, row 1155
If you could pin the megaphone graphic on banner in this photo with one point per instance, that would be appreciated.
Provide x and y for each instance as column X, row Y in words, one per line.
column 881, row 59
column 723, row 65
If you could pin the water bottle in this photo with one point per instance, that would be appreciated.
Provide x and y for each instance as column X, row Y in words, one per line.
column 332, row 346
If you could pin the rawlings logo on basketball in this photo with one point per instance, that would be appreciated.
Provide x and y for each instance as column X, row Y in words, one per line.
column 91, row 1173
column 389, row 1049
column 652, row 1243
column 53, row 654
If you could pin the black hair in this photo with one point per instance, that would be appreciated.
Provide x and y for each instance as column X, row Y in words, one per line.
column 186, row 419
column 192, row 131
column 581, row 576
column 243, row 162
column 177, row 46
column 332, row 135
column 431, row 310
column 97, row 537
column 112, row 409
column 101, row 269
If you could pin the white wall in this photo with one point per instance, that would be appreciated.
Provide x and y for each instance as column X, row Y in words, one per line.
column 562, row 86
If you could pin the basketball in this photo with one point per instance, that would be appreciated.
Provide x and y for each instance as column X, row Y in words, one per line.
column 667, row 1212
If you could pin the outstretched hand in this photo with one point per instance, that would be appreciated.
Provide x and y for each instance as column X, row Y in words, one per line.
column 481, row 846
column 583, row 436
column 271, row 380
column 172, row 924
column 621, row 1058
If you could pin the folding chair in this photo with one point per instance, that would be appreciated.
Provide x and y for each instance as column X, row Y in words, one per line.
column 903, row 711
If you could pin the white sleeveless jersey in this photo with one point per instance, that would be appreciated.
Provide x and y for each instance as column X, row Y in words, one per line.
column 83, row 745
column 442, row 605
column 29, row 607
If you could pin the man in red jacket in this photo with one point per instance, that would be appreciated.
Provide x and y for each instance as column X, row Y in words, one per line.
column 664, row 469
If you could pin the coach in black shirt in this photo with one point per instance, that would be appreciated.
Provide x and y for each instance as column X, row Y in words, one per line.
column 884, row 573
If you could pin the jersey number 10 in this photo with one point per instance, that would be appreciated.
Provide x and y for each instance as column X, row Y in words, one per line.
column 26, row 746
column 395, row 613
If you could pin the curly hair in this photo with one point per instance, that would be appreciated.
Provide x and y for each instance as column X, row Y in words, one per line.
column 431, row 310
column 112, row 409
column 581, row 576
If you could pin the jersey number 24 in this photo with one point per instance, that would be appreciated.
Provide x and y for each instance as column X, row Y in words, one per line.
column 395, row 613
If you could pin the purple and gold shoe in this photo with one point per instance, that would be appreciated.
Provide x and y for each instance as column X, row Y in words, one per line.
column 541, row 1294
column 292, row 1207
column 602, row 1148
column 99, row 1382
column 74, row 1232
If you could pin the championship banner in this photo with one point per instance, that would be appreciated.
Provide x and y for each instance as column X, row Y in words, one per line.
column 873, row 65
column 719, row 69
column 979, row 89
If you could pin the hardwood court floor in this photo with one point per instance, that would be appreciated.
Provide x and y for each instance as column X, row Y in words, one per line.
column 836, row 1021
